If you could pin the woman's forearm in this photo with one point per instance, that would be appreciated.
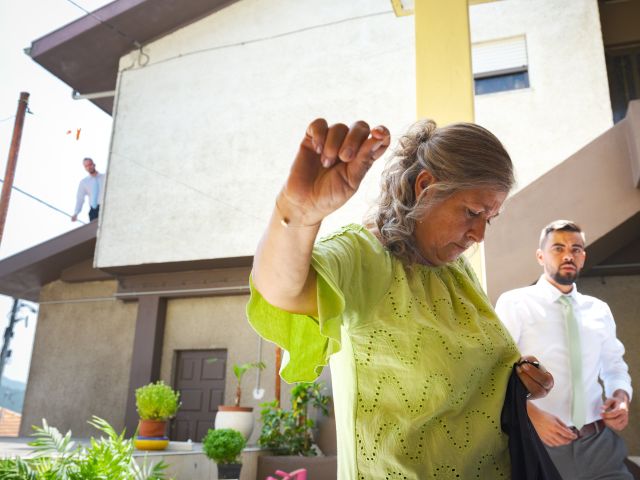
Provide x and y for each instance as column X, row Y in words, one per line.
column 282, row 270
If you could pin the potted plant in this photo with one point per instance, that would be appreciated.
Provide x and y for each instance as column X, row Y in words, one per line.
column 224, row 447
column 289, row 434
column 156, row 404
column 57, row 456
column 235, row 416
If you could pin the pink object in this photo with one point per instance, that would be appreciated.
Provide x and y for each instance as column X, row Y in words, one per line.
column 300, row 474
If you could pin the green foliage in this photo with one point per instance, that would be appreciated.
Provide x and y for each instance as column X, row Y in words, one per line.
column 16, row 469
column 223, row 445
column 239, row 370
column 157, row 401
column 289, row 432
column 58, row 458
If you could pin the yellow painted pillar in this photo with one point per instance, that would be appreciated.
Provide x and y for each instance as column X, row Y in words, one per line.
column 444, row 78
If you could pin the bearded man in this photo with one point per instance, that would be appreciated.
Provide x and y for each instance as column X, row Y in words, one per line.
column 574, row 335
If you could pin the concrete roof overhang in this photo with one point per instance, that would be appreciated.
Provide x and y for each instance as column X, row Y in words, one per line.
column 85, row 53
column 24, row 274
column 598, row 187
column 69, row 257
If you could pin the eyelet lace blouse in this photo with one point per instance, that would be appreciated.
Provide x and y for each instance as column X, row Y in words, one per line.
column 419, row 361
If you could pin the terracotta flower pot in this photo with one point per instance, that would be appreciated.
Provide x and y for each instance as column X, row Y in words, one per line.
column 152, row 428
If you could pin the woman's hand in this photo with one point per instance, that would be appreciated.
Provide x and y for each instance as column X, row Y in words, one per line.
column 328, row 169
column 536, row 379
column 326, row 172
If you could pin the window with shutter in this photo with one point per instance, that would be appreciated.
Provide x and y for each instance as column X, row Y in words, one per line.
column 500, row 65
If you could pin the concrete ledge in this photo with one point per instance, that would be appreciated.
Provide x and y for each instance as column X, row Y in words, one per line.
column 185, row 460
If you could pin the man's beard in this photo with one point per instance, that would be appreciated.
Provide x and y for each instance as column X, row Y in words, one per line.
column 565, row 278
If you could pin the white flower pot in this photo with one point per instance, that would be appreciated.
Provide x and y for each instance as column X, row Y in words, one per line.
column 238, row 418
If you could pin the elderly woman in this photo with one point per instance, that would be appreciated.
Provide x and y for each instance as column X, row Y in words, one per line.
column 419, row 360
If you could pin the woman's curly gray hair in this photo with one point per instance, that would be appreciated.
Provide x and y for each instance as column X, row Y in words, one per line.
column 459, row 156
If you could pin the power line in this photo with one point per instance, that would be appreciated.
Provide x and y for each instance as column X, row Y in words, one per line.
column 112, row 27
column 33, row 197
column 7, row 118
column 271, row 37
column 188, row 186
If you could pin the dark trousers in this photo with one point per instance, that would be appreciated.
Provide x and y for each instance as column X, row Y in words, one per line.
column 599, row 456
column 93, row 213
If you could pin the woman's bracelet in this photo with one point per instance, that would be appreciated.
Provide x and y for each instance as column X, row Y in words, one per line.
column 286, row 222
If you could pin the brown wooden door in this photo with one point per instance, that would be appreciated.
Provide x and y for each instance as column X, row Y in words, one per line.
column 199, row 375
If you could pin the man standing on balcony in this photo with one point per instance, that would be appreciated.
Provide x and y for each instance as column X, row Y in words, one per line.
column 92, row 187
column 575, row 336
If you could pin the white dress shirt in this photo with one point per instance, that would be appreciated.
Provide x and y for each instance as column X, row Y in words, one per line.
column 535, row 318
column 92, row 187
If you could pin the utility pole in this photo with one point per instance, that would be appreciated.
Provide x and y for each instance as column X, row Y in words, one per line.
column 8, row 332
column 10, row 171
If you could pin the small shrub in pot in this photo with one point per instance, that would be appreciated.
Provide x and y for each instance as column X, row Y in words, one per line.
column 224, row 447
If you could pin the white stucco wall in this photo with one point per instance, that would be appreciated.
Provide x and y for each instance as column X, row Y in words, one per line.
column 205, row 132
column 204, row 136
column 567, row 104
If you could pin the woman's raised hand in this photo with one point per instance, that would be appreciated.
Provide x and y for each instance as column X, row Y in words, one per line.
column 327, row 171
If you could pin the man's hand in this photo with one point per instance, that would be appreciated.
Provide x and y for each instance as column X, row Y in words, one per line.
column 74, row 218
column 551, row 430
column 537, row 380
column 615, row 411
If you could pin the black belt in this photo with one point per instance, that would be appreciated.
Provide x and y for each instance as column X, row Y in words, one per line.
column 589, row 429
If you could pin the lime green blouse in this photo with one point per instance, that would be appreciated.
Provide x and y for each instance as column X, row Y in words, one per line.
column 419, row 361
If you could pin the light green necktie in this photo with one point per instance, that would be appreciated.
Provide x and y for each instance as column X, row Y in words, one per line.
column 578, row 414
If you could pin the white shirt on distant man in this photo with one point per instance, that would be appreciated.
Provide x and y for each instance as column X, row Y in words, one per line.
column 535, row 320
column 91, row 187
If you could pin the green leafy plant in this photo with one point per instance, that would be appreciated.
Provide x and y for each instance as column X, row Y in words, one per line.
column 239, row 370
column 289, row 432
column 224, row 445
column 57, row 457
column 157, row 401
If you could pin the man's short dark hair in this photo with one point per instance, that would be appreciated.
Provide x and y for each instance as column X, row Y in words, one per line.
column 559, row 226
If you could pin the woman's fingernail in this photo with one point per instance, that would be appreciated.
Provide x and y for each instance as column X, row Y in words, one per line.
column 346, row 154
column 318, row 149
column 376, row 146
column 326, row 163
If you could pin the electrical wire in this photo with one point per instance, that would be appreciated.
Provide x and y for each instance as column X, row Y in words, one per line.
column 33, row 197
column 7, row 118
column 271, row 37
column 189, row 186
column 134, row 42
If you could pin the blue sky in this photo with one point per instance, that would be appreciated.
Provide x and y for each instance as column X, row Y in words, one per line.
column 50, row 160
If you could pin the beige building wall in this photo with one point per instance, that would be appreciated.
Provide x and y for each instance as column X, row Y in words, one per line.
column 205, row 132
column 208, row 120
column 567, row 104
column 622, row 295
column 81, row 358
column 220, row 322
